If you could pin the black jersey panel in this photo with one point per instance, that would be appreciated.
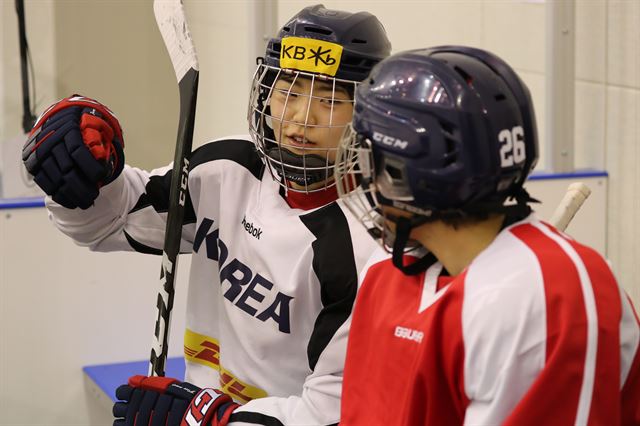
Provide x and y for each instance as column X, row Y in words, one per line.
column 139, row 247
column 158, row 188
column 335, row 267
column 239, row 151
column 156, row 195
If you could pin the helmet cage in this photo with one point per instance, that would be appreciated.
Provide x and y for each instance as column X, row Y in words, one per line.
column 364, row 191
column 299, row 161
column 325, row 46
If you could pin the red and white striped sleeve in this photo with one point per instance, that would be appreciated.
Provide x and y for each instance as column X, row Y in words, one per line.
column 549, row 338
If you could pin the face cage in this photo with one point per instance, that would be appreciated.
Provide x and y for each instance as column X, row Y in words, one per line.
column 358, row 188
column 309, row 164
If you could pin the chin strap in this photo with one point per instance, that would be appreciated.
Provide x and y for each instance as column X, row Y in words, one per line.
column 301, row 169
column 403, row 229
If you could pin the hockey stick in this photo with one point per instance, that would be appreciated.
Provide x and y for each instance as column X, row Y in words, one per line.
column 576, row 194
column 172, row 23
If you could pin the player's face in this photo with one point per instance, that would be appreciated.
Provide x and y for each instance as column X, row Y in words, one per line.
column 309, row 117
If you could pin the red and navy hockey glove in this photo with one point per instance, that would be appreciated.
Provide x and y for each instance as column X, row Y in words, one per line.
column 162, row 401
column 74, row 148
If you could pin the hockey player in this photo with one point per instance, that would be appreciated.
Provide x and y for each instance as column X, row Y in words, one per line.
column 481, row 314
column 274, row 255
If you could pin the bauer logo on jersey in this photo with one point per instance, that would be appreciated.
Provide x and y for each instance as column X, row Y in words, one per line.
column 409, row 334
column 312, row 55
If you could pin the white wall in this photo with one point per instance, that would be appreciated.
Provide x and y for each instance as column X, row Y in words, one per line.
column 113, row 52
column 221, row 33
column 589, row 224
column 41, row 31
column 62, row 308
column 43, row 52
column 622, row 137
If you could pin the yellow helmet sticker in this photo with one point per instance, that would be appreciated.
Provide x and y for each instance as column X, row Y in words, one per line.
column 309, row 54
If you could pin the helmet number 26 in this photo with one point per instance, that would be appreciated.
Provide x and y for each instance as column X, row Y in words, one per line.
column 513, row 149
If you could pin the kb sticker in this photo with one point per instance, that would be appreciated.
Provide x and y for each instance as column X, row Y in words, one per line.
column 312, row 55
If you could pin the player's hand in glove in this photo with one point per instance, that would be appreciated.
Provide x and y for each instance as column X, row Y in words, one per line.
column 75, row 148
column 162, row 401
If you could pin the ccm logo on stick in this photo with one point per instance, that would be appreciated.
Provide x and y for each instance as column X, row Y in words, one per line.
column 389, row 140
column 184, row 178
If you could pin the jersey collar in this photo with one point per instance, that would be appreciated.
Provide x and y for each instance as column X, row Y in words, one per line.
column 312, row 200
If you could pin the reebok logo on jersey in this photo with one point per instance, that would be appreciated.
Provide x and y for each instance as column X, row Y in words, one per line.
column 253, row 231
column 409, row 334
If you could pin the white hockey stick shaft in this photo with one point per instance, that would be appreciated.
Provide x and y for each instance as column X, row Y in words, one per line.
column 172, row 23
column 576, row 194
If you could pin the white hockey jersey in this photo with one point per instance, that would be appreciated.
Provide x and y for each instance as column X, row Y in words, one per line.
column 270, row 287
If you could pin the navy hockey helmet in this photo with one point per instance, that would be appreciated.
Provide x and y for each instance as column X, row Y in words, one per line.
column 358, row 41
column 332, row 51
column 443, row 131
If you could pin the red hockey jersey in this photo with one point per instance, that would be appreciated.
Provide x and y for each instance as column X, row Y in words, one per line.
column 535, row 331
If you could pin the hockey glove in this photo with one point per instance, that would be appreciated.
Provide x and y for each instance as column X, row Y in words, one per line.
column 162, row 401
column 75, row 148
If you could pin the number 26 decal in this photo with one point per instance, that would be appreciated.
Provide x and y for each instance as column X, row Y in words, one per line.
column 513, row 150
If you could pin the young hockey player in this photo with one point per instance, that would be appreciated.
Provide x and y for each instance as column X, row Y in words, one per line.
column 481, row 314
column 274, row 255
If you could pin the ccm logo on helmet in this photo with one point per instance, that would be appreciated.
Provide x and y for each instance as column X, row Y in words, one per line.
column 389, row 140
